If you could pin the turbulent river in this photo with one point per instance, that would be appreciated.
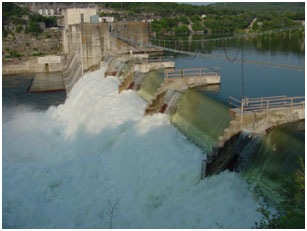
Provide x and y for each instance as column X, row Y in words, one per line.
column 96, row 161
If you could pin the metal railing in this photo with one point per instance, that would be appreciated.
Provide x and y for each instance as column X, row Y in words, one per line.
column 282, row 102
column 191, row 72
column 154, row 59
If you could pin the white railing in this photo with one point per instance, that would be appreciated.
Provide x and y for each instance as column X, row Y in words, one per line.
column 189, row 73
column 282, row 102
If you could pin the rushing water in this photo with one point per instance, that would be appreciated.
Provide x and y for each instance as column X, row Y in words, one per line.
column 150, row 84
column 273, row 160
column 66, row 167
column 203, row 130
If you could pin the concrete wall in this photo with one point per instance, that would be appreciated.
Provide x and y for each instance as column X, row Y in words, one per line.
column 72, row 71
column 72, row 39
column 185, row 82
column 47, row 82
column 30, row 66
column 73, row 15
column 259, row 122
column 94, row 36
column 146, row 67
column 97, row 42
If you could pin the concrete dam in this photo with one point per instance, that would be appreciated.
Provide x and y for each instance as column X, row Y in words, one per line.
column 88, row 46
column 139, row 126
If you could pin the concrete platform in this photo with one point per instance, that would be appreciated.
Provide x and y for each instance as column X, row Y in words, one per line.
column 47, row 82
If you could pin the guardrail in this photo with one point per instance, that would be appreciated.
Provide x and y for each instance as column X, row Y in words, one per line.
column 192, row 72
column 154, row 59
column 282, row 102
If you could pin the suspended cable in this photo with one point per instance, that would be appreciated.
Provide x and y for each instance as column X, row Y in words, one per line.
column 236, row 56
column 199, row 53
column 242, row 62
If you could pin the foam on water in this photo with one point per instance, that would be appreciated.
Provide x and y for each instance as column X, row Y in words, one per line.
column 68, row 166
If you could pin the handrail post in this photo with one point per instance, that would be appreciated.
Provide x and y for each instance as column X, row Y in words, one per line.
column 291, row 104
column 267, row 109
column 242, row 110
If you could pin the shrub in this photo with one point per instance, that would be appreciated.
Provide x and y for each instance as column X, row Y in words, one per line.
column 255, row 26
column 184, row 20
column 197, row 27
column 14, row 54
column 50, row 21
column 181, row 29
column 195, row 19
column 4, row 33
column 18, row 29
column 38, row 54
column 291, row 212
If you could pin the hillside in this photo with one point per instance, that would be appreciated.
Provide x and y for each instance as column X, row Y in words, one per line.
column 262, row 6
column 26, row 34
column 170, row 17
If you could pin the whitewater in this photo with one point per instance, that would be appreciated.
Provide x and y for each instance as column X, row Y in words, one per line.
column 97, row 162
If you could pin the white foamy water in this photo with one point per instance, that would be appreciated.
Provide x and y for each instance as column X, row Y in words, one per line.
column 68, row 166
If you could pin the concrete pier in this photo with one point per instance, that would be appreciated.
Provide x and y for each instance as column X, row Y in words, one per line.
column 179, row 80
column 47, row 82
column 257, row 115
column 254, row 116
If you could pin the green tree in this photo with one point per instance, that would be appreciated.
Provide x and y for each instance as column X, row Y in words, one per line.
column 255, row 26
column 184, row 20
column 291, row 212
column 18, row 29
column 197, row 27
column 181, row 29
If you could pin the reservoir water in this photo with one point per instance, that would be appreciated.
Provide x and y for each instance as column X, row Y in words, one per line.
column 94, row 157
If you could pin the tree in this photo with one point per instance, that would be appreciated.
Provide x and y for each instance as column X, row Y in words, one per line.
column 255, row 26
column 291, row 212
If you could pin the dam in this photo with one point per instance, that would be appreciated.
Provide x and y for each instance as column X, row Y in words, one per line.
column 135, row 135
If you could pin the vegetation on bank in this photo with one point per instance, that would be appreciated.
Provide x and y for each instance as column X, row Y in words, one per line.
column 163, row 9
column 24, row 33
column 24, row 20
column 291, row 212
column 262, row 6
column 214, row 18
column 229, row 22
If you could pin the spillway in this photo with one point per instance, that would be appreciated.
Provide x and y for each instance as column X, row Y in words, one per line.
column 66, row 167
column 271, row 161
column 151, row 83
column 201, row 118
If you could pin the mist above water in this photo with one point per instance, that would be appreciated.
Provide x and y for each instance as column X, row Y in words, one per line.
column 67, row 167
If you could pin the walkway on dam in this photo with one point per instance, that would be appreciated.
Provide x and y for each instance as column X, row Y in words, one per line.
column 257, row 115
